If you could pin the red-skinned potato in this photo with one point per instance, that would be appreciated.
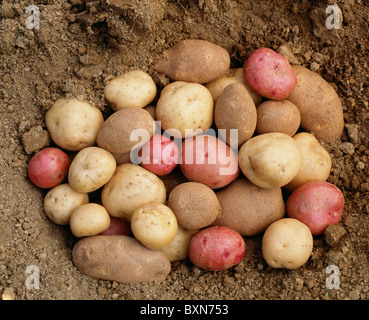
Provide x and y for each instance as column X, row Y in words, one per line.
column 317, row 204
column 269, row 74
column 160, row 155
column 216, row 248
column 118, row 227
column 48, row 167
column 208, row 160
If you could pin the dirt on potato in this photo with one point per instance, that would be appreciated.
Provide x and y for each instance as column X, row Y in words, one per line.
column 80, row 44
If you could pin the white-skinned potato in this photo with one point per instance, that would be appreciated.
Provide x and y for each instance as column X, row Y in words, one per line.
column 133, row 89
column 154, row 225
column 316, row 161
column 130, row 187
column 179, row 247
column 287, row 243
column 90, row 169
column 217, row 86
column 60, row 202
column 183, row 105
column 270, row 160
column 73, row 124
column 89, row 219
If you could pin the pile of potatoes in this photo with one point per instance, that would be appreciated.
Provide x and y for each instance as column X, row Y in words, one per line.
column 194, row 169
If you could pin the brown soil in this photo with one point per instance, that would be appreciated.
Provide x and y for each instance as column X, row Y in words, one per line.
column 81, row 44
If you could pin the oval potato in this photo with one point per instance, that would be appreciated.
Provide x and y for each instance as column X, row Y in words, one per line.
column 119, row 258
column 194, row 60
column 319, row 104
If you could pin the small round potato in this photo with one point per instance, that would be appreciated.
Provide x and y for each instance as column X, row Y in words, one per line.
column 91, row 168
column 133, row 89
column 89, row 219
column 217, row 86
column 287, row 243
column 316, row 161
column 73, row 124
column 277, row 116
column 179, row 247
column 183, row 105
column 60, row 202
column 130, row 187
column 270, row 160
column 154, row 225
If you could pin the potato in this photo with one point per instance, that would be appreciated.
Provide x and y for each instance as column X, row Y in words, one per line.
column 277, row 116
column 316, row 161
column 130, row 125
column 320, row 106
column 60, row 202
column 195, row 205
column 48, row 167
column 133, row 89
column 270, row 160
column 73, row 124
column 117, row 226
column 287, row 243
column 269, row 74
column 317, row 204
column 154, row 225
column 216, row 248
column 179, row 247
column 119, row 258
column 208, row 160
column 247, row 208
column 194, row 60
column 184, row 105
column 130, row 187
column 235, row 110
column 160, row 155
column 90, row 169
column 217, row 86
column 89, row 219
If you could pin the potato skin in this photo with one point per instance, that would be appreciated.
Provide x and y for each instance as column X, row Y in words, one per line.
column 195, row 205
column 130, row 187
column 287, row 243
column 320, row 106
column 317, row 204
column 122, row 124
column 73, row 124
column 247, row 208
column 119, row 258
column 194, row 60
column 235, row 109
column 216, row 248
column 278, row 116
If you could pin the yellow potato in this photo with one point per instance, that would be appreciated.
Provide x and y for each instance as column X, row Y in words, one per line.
column 184, row 105
column 270, row 160
column 217, row 86
column 90, row 169
column 89, row 219
column 154, row 225
column 179, row 247
column 287, row 243
column 316, row 161
column 130, row 187
column 60, row 202
column 133, row 89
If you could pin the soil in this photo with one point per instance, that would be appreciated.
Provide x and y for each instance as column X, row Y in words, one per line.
column 81, row 44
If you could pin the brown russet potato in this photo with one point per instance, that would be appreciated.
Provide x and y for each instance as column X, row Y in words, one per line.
column 119, row 258
column 235, row 110
column 133, row 126
column 277, row 116
column 319, row 104
column 194, row 60
column 247, row 208
column 195, row 205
